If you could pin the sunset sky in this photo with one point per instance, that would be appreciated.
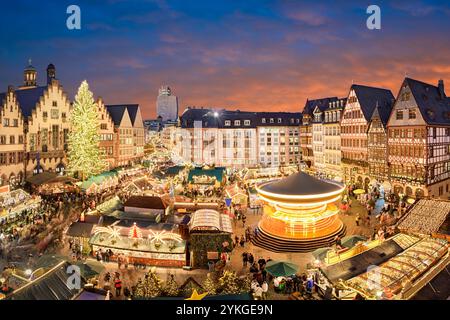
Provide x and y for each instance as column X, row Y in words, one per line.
column 249, row 55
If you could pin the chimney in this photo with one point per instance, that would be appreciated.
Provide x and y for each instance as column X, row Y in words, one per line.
column 441, row 89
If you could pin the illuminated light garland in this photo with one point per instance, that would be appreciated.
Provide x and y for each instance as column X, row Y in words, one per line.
column 163, row 235
column 114, row 233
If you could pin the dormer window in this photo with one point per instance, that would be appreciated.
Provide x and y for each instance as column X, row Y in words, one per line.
column 227, row 123
column 292, row 120
column 263, row 120
column 246, row 122
column 279, row 120
column 271, row 120
column 237, row 122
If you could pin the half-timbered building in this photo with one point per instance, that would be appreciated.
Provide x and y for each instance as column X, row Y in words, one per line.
column 361, row 103
column 419, row 140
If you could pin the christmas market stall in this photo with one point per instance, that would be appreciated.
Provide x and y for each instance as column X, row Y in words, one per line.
column 207, row 176
column 146, row 205
column 427, row 217
column 210, row 237
column 49, row 284
column 404, row 274
column 15, row 203
column 139, row 186
column 158, row 245
column 99, row 183
column 237, row 195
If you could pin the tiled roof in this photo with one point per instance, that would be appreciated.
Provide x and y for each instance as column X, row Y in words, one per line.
column 116, row 112
column 27, row 99
column 217, row 118
column 370, row 97
column 434, row 108
column 322, row 103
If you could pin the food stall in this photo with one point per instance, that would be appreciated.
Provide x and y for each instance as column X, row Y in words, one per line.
column 401, row 272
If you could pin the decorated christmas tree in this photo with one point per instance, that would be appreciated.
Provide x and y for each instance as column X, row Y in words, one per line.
column 84, row 156
column 150, row 287
column 135, row 232
column 171, row 287
column 229, row 283
column 210, row 284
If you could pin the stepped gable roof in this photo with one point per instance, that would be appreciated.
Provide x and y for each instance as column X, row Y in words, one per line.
column 370, row 97
column 299, row 184
column 2, row 97
column 28, row 98
column 434, row 109
column 322, row 103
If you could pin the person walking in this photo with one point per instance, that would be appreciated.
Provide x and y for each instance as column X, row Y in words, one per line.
column 357, row 219
column 244, row 259
column 118, row 286
column 265, row 289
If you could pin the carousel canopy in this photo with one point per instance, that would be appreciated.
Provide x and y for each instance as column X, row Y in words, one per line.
column 300, row 183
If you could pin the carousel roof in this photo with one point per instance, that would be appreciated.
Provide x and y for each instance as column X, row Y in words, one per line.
column 300, row 183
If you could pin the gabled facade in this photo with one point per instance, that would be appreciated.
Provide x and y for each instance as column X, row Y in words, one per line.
column 419, row 140
column 12, row 168
column 377, row 147
column 45, row 111
column 106, row 132
column 123, row 131
column 360, row 105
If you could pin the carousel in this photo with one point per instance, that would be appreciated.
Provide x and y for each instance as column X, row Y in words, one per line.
column 300, row 214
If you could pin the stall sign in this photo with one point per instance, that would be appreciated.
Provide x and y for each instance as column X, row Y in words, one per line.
column 212, row 255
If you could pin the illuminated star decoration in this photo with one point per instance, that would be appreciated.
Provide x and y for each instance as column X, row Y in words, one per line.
column 196, row 296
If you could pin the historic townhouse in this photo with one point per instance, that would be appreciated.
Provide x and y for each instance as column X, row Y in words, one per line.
column 45, row 110
column 306, row 134
column 138, row 131
column 238, row 139
column 358, row 110
column 332, row 139
column 278, row 138
column 419, row 140
column 317, row 139
column 106, row 132
column 128, row 134
column 12, row 166
column 377, row 146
